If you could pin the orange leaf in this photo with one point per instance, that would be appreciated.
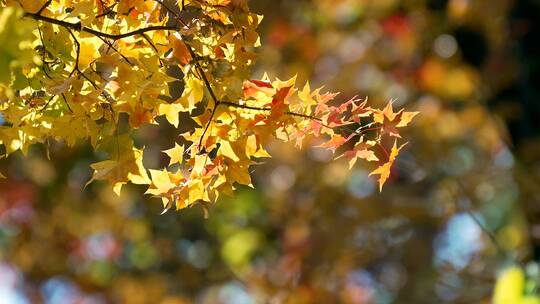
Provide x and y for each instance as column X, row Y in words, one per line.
column 334, row 143
column 384, row 170
column 180, row 50
column 252, row 87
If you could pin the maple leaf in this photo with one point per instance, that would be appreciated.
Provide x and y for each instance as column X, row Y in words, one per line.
column 176, row 154
column 360, row 151
column 278, row 104
column 161, row 182
column 236, row 172
column 336, row 116
column 180, row 50
column 384, row 170
column 306, row 96
column 334, row 143
column 128, row 168
column 196, row 191
column 322, row 102
column 171, row 112
column 87, row 53
column 361, row 110
column 193, row 93
column 254, row 148
column 140, row 116
column 252, row 87
column 391, row 120
column 227, row 150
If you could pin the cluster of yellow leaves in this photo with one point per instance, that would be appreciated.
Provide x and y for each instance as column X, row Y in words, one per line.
column 105, row 65
column 233, row 135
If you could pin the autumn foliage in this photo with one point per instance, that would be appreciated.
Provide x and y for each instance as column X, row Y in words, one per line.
column 99, row 70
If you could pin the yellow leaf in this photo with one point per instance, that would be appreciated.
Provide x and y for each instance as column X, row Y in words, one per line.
column 161, row 182
column 199, row 163
column 195, row 90
column 88, row 53
column 118, row 187
column 391, row 120
column 226, row 150
column 361, row 150
column 384, row 170
column 196, row 191
column 176, row 154
column 253, row 149
column 306, row 96
column 171, row 112
column 239, row 172
column 406, row 118
column 128, row 168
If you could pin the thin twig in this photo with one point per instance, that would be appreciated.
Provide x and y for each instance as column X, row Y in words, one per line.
column 107, row 10
column 486, row 231
column 491, row 236
column 203, row 75
column 167, row 8
column 43, row 7
column 67, row 104
column 116, row 50
column 77, row 50
column 154, row 47
column 266, row 109
column 44, row 53
column 242, row 106
column 207, row 125
column 47, row 104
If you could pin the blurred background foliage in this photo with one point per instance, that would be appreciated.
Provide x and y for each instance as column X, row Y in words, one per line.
column 462, row 205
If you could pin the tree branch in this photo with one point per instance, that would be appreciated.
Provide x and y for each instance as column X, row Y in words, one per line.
column 207, row 125
column 77, row 50
column 203, row 75
column 78, row 27
column 111, row 46
column 241, row 106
